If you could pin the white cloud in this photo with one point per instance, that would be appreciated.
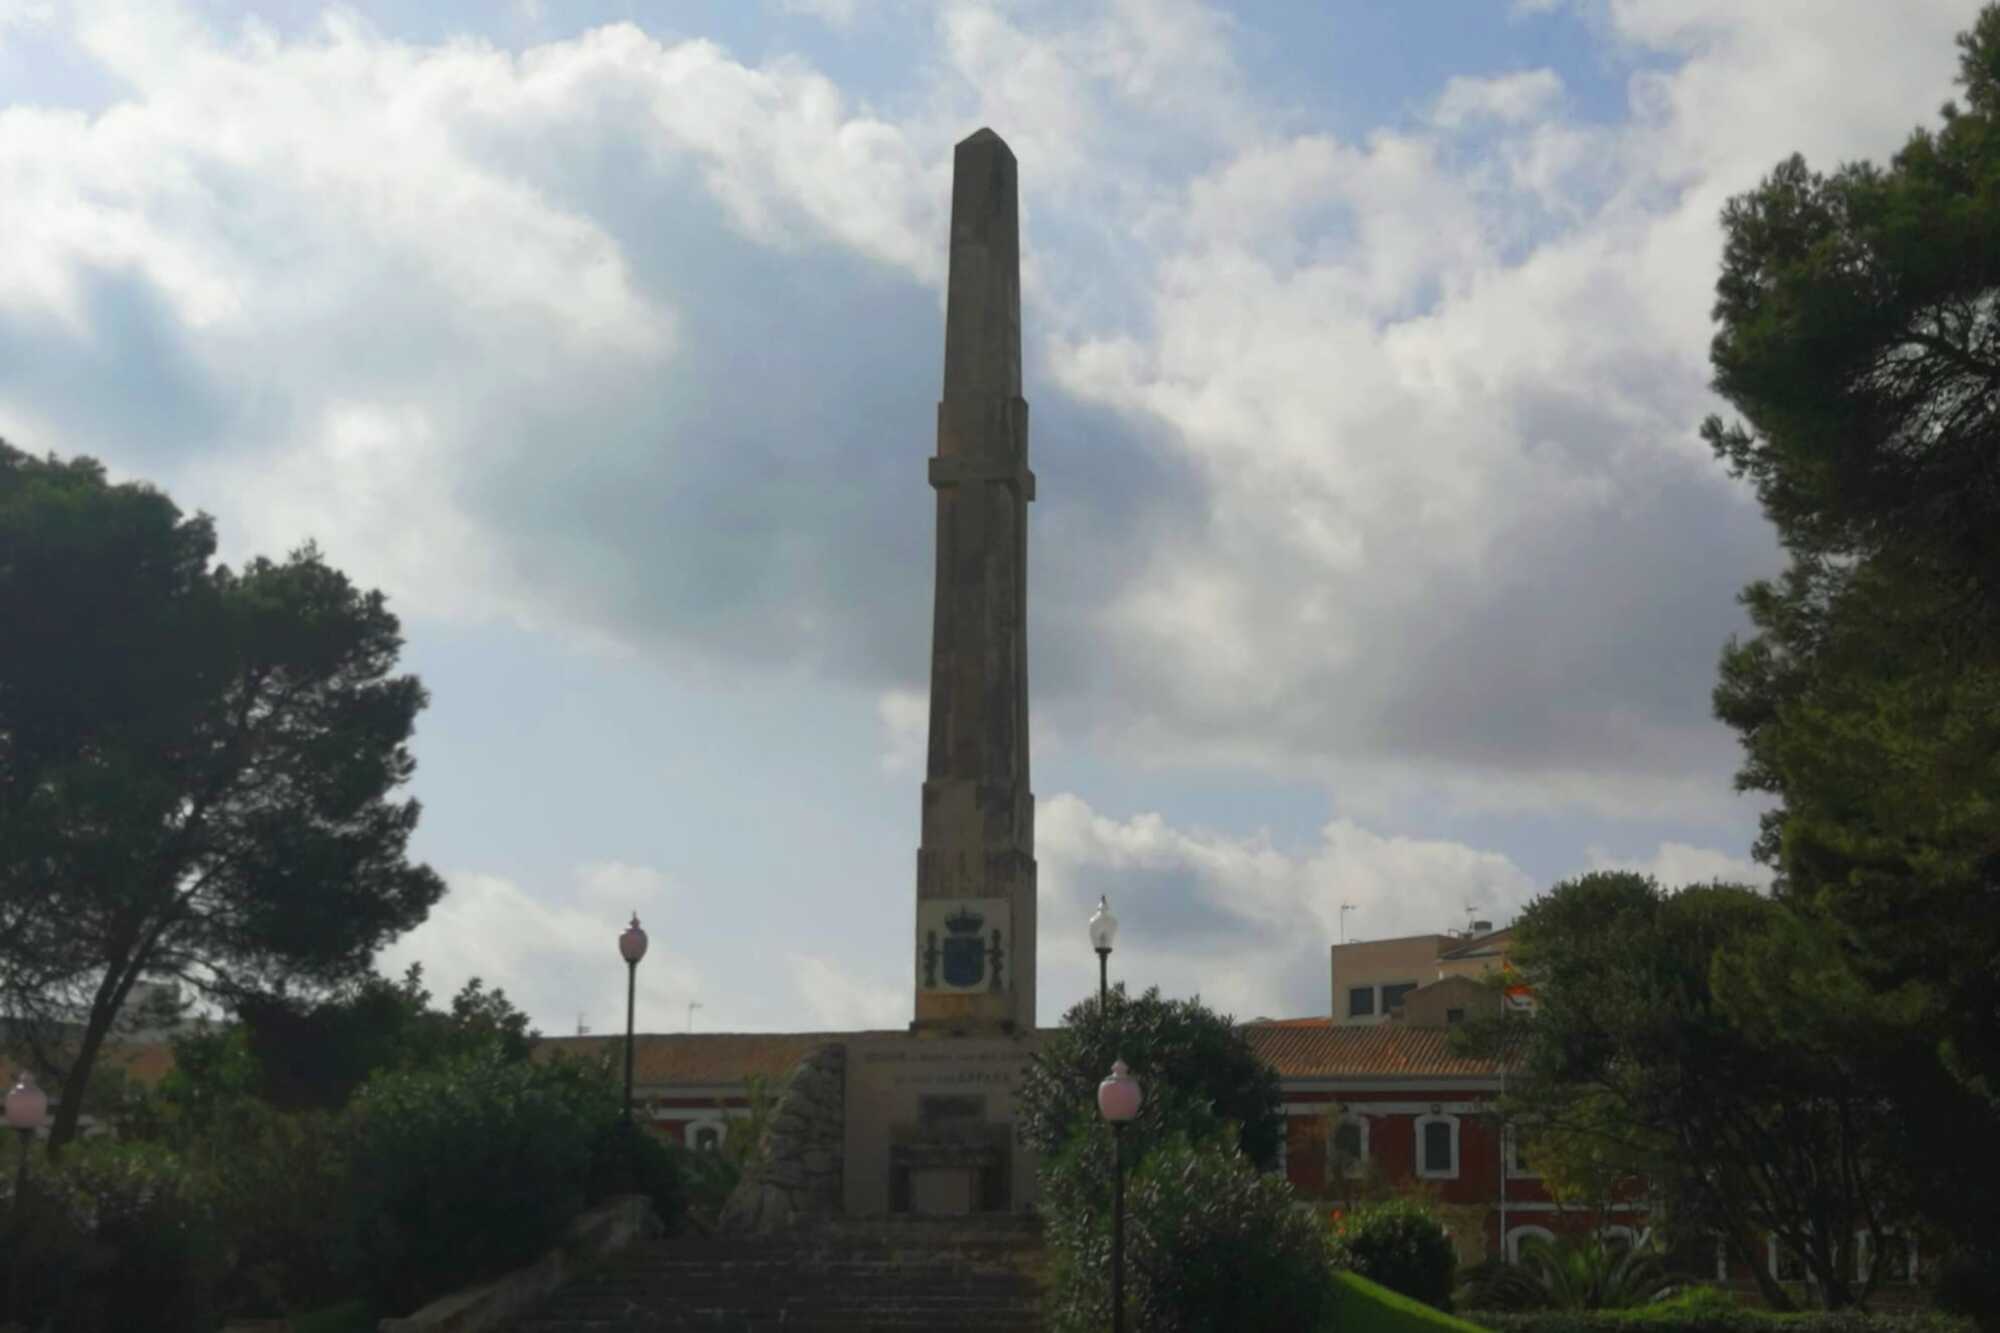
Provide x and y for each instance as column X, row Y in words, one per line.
column 906, row 719
column 1677, row 864
column 1240, row 920
column 554, row 949
column 837, row 13
column 834, row 999
column 1521, row 96
column 1436, row 520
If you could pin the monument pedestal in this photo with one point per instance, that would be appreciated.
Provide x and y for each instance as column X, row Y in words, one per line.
column 930, row 1126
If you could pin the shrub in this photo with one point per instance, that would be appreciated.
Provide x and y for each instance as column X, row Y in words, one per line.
column 1211, row 1243
column 466, row 1171
column 1402, row 1246
column 278, row 1187
column 1572, row 1273
column 116, row 1237
column 626, row 1159
column 1215, row 1244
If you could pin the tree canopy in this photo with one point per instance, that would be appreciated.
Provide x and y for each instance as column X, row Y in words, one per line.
column 197, row 765
column 1737, row 1127
column 1196, row 1071
column 1858, row 337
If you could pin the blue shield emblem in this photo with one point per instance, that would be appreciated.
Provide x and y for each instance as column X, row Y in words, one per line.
column 964, row 950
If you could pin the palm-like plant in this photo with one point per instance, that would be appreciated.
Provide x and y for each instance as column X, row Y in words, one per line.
column 1575, row 1273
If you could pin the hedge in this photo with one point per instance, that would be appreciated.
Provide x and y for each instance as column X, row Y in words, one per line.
column 1361, row 1306
column 1665, row 1318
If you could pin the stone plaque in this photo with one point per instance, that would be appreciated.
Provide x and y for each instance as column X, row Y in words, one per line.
column 943, row 1191
column 964, row 945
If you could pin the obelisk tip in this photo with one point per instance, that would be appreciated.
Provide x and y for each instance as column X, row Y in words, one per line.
column 982, row 137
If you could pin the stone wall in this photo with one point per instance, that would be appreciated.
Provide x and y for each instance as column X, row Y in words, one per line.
column 796, row 1171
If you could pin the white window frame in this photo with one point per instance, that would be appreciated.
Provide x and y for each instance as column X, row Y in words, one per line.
column 1423, row 1171
column 1510, row 1145
column 1515, row 1235
column 1771, row 1248
column 694, row 1127
column 1357, row 1168
column 1864, row 1244
column 1615, row 1232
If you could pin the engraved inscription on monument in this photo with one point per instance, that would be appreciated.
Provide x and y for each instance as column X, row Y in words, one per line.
column 965, row 944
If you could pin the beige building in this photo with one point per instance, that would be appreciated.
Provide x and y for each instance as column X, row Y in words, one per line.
column 1372, row 979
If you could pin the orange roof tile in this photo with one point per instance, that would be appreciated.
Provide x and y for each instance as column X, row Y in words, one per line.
column 698, row 1058
column 1316, row 1048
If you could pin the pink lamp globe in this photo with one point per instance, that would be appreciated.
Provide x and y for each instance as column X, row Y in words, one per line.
column 1118, row 1097
column 632, row 943
column 27, row 1105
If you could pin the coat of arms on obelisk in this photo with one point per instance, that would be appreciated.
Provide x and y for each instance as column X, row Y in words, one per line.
column 960, row 944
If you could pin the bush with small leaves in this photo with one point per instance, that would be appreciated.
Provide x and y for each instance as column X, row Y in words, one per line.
column 1401, row 1245
column 115, row 1237
column 466, row 1171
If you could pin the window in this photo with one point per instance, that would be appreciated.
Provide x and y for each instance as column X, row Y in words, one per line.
column 1360, row 1001
column 1891, row 1251
column 1454, row 1016
column 1437, row 1147
column 1393, row 995
column 1618, row 1239
column 1786, row 1266
column 1350, row 1145
column 706, row 1135
column 1518, row 1235
column 1518, row 1166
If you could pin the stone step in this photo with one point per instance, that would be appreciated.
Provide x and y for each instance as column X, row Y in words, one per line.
column 896, row 1277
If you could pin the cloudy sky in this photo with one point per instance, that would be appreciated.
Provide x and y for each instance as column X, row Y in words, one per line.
column 1376, row 561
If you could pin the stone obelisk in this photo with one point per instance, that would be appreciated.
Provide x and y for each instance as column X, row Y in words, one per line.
column 975, row 956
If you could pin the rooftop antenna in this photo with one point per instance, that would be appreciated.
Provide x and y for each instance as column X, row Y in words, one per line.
column 1471, row 914
column 692, row 1006
column 1345, row 908
column 581, row 1029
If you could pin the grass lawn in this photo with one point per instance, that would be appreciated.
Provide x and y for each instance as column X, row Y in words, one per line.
column 1368, row 1307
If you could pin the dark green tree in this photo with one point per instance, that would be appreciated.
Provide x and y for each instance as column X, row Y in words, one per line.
column 1859, row 340
column 1197, row 1071
column 197, row 765
column 1739, row 1128
column 315, row 1056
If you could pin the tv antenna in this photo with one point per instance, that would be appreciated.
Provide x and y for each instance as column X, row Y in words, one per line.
column 1345, row 908
column 692, row 1006
column 581, row 1029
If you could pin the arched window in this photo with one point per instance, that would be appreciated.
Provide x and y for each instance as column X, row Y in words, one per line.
column 1437, row 1147
column 1348, row 1145
column 1518, row 1165
column 1891, row 1250
column 1786, row 1265
column 1518, row 1234
column 706, row 1135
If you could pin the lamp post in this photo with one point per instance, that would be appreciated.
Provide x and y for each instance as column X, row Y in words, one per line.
column 1103, row 929
column 631, row 947
column 27, row 1108
column 1118, row 1100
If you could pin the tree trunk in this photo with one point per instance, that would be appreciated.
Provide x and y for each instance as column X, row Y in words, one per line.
column 1773, row 1293
column 76, row 1081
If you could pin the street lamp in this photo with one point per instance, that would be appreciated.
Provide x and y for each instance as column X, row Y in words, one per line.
column 632, row 947
column 1118, row 1100
column 27, row 1108
column 1103, row 929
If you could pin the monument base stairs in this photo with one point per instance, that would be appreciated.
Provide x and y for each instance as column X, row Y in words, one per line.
column 841, row 1276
